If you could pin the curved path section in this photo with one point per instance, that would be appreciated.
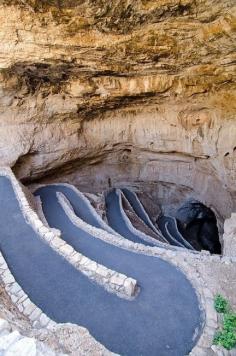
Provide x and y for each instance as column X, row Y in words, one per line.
column 168, row 226
column 119, row 221
column 174, row 230
column 84, row 208
column 140, row 211
column 164, row 316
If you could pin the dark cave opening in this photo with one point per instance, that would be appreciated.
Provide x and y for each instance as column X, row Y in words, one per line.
column 198, row 224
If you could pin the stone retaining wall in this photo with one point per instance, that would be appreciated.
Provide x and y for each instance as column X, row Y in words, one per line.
column 144, row 236
column 155, row 228
column 111, row 280
column 181, row 260
column 21, row 300
column 12, row 343
column 41, row 321
column 108, row 228
column 124, row 203
column 90, row 207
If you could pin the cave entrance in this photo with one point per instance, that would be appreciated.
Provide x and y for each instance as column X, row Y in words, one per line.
column 198, row 224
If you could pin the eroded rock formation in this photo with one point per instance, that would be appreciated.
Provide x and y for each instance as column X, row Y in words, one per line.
column 125, row 91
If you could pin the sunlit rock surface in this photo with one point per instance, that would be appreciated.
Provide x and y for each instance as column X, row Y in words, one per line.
column 122, row 92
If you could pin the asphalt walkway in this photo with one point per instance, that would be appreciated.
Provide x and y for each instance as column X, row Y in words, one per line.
column 160, row 321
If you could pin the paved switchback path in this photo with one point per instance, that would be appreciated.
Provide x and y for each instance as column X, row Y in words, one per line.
column 140, row 210
column 117, row 222
column 161, row 320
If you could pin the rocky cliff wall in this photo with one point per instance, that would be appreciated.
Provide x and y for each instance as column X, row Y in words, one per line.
column 125, row 91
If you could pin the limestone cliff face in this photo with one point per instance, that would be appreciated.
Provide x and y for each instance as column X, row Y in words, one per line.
column 122, row 91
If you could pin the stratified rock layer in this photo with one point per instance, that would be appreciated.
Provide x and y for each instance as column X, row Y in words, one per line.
column 122, row 92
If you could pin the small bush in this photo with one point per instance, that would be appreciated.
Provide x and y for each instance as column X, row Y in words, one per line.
column 226, row 337
column 221, row 304
column 229, row 322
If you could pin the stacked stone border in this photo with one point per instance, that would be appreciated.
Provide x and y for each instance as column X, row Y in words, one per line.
column 120, row 241
column 21, row 300
column 131, row 227
column 89, row 206
column 180, row 259
column 154, row 228
column 38, row 319
column 144, row 236
column 112, row 281
column 182, row 240
column 126, row 243
column 14, row 344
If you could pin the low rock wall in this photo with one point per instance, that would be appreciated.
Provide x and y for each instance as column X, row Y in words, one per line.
column 180, row 258
column 12, row 343
column 111, row 280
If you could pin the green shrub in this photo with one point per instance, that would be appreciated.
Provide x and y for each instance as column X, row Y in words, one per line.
column 229, row 322
column 221, row 304
column 225, row 337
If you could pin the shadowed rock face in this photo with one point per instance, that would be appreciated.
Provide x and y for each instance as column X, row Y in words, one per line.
column 209, row 237
column 192, row 210
column 136, row 92
column 199, row 225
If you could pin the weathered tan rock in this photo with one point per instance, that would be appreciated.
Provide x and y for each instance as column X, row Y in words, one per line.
column 229, row 236
column 122, row 92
